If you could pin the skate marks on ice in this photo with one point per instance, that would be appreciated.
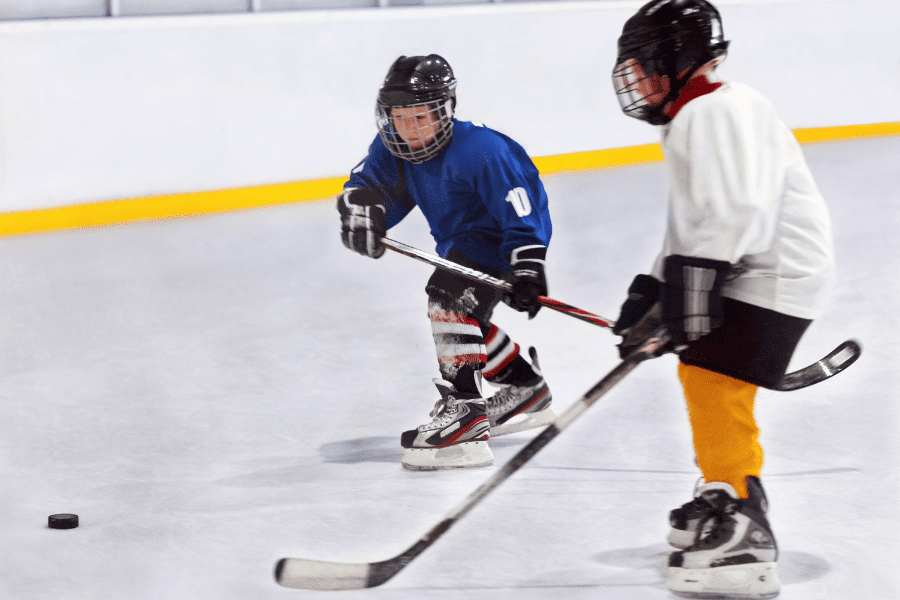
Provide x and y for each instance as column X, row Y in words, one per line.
column 814, row 472
column 385, row 449
column 786, row 475
column 275, row 471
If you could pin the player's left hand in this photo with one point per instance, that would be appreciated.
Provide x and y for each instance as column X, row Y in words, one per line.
column 529, row 280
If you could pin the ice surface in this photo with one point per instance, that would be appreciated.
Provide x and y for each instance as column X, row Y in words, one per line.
column 212, row 394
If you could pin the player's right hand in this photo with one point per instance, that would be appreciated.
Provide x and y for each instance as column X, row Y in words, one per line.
column 362, row 221
column 643, row 295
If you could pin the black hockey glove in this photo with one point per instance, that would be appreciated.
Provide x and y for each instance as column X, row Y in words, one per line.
column 362, row 221
column 692, row 302
column 640, row 314
column 529, row 280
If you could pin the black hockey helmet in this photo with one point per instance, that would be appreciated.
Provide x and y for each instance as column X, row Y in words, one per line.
column 413, row 82
column 663, row 39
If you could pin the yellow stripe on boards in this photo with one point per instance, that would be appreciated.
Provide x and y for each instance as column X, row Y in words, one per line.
column 198, row 203
column 618, row 157
column 597, row 159
column 164, row 207
column 845, row 132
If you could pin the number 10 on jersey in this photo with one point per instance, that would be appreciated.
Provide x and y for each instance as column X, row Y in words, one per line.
column 518, row 197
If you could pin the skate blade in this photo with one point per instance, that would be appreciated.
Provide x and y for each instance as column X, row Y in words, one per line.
column 754, row 581
column 466, row 455
column 524, row 421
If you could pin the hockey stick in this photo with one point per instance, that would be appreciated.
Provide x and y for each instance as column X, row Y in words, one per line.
column 503, row 286
column 323, row 575
column 308, row 574
column 839, row 359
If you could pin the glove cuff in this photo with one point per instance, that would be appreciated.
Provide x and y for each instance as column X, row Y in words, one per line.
column 692, row 302
column 692, row 273
column 528, row 262
column 358, row 197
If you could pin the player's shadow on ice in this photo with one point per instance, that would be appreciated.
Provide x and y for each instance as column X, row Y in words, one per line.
column 793, row 567
column 384, row 449
column 361, row 450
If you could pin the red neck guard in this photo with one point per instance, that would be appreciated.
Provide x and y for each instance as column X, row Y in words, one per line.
column 694, row 88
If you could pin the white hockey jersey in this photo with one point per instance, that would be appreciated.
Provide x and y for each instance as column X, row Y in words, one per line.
column 741, row 192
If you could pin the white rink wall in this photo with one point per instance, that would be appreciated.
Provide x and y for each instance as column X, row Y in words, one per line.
column 113, row 108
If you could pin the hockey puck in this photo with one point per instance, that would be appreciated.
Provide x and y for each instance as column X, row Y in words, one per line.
column 62, row 521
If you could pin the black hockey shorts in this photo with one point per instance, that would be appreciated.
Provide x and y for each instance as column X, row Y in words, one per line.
column 465, row 296
column 753, row 344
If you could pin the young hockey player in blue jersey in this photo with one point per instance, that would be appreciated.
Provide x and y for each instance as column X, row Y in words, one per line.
column 745, row 266
column 487, row 209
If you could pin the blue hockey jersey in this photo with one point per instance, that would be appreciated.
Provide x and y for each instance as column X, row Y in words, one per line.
column 481, row 196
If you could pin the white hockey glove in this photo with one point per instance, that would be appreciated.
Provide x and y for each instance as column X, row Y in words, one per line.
column 362, row 221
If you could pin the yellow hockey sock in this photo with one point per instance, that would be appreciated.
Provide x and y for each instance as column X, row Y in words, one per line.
column 726, row 438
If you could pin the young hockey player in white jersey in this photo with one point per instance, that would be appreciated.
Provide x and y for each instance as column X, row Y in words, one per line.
column 745, row 266
column 487, row 209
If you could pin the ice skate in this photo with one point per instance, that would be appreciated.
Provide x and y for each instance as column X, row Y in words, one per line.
column 455, row 438
column 519, row 407
column 734, row 551
column 522, row 406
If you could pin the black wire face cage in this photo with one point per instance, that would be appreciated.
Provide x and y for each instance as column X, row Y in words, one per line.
column 633, row 76
column 434, row 126
column 628, row 78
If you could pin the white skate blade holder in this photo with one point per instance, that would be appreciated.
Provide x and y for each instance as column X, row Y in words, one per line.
column 751, row 581
column 524, row 421
column 458, row 456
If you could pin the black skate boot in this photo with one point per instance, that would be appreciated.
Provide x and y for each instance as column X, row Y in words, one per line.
column 686, row 519
column 455, row 438
column 734, row 552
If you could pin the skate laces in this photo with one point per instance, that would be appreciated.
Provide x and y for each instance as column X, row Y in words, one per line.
column 505, row 398
column 510, row 395
column 714, row 525
column 697, row 506
column 443, row 413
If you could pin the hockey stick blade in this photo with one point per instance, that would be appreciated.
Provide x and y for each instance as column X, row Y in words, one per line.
column 322, row 575
column 319, row 575
column 503, row 286
column 839, row 359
